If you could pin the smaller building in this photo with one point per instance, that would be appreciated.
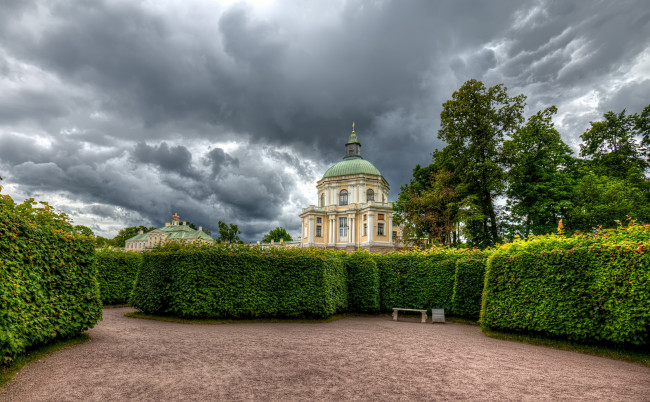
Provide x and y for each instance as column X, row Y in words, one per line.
column 173, row 231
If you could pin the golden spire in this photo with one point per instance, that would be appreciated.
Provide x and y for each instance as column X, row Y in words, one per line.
column 352, row 127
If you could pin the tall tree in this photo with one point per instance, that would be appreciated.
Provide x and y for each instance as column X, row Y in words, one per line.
column 277, row 234
column 539, row 181
column 613, row 145
column 84, row 230
column 605, row 201
column 228, row 233
column 474, row 124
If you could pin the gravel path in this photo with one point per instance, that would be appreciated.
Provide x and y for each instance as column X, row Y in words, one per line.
column 353, row 358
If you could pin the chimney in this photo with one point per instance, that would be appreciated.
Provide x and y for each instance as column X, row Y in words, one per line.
column 175, row 219
column 167, row 224
column 141, row 232
column 184, row 223
column 200, row 228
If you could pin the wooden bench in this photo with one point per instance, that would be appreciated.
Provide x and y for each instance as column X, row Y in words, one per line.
column 423, row 312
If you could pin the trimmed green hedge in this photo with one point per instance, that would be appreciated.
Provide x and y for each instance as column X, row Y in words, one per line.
column 468, row 284
column 363, row 282
column 417, row 279
column 48, row 287
column 116, row 272
column 580, row 288
column 238, row 281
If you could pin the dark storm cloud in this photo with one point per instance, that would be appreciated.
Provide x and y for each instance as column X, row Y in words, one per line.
column 172, row 159
column 218, row 159
column 131, row 106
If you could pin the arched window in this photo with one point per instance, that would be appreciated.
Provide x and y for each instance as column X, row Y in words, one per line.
column 343, row 197
column 370, row 195
column 322, row 200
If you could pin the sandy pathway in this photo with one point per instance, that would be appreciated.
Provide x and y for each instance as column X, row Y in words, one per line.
column 354, row 358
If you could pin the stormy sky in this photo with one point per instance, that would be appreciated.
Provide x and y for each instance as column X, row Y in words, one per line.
column 121, row 113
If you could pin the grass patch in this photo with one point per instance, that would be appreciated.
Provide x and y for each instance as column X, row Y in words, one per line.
column 639, row 355
column 220, row 321
column 7, row 372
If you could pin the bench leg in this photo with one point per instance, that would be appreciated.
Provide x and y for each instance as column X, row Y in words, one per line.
column 394, row 315
column 424, row 317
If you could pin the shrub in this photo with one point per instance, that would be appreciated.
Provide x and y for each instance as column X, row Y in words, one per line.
column 239, row 281
column 363, row 282
column 48, row 286
column 417, row 279
column 116, row 272
column 585, row 288
column 468, row 284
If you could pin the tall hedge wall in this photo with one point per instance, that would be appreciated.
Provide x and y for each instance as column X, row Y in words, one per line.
column 116, row 272
column 468, row 284
column 224, row 281
column 363, row 282
column 48, row 287
column 417, row 279
column 584, row 288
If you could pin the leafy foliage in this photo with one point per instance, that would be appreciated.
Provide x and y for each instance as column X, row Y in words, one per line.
column 539, row 180
column 363, row 282
column 232, row 281
column 584, row 288
column 229, row 233
column 474, row 124
column 276, row 235
column 417, row 279
column 116, row 272
column 468, row 283
column 48, row 286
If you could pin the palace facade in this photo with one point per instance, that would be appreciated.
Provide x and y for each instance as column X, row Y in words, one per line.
column 353, row 210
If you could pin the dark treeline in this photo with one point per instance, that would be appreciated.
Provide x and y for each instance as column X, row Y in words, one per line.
column 493, row 153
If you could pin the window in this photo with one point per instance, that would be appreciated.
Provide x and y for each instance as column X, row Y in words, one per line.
column 319, row 231
column 343, row 197
column 380, row 217
column 370, row 195
column 394, row 234
column 319, row 220
column 322, row 200
column 343, row 227
column 380, row 229
column 351, row 149
column 365, row 229
column 365, row 217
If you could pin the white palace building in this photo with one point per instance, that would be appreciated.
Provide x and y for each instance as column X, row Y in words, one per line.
column 353, row 210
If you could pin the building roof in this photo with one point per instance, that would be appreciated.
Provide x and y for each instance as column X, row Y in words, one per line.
column 350, row 167
column 176, row 232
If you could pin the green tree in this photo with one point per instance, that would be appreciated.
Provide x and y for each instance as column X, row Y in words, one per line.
column 613, row 146
column 539, row 180
column 123, row 235
column 604, row 201
column 429, row 207
column 474, row 124
column 103, row 242
column 277, row 234
column 84, row 230
column 229, row 233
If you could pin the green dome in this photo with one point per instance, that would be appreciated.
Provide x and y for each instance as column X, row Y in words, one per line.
column 350, row 167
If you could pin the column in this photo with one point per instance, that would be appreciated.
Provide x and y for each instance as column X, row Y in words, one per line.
column 371, row 226
column 390, row 227
column 311, row 229
column 351, row 229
